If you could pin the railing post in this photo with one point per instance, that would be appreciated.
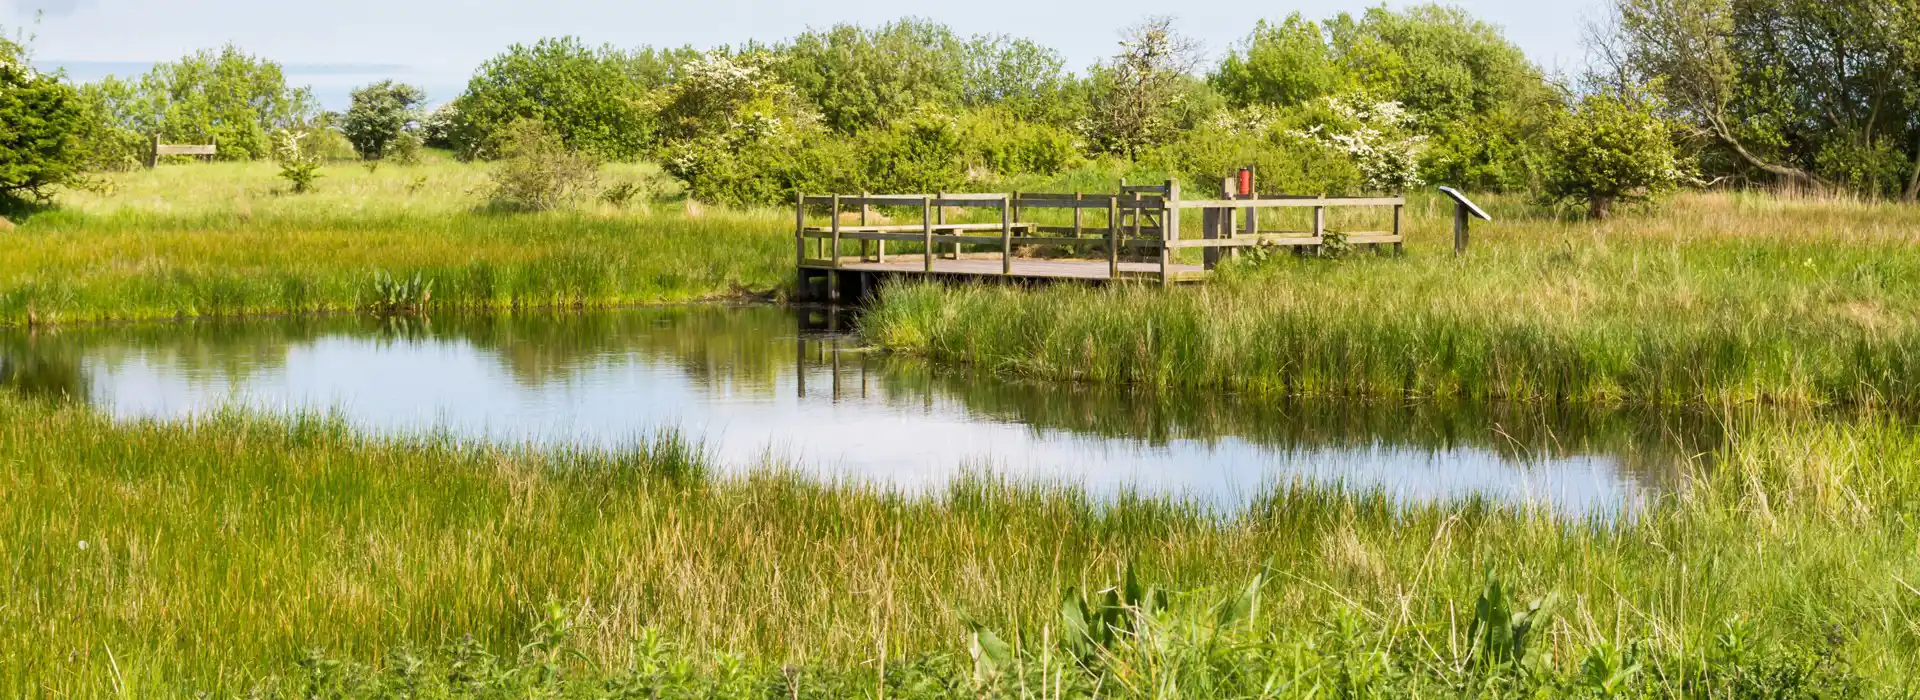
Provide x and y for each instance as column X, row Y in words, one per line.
column 1006, row 235
column 834, row 254
column 1399, row 238
column 926, row 228
column 864, row 195
column 800, row 228
column 1169, row 230
column 1113, row 237
column 1134, row 213
column 800, row 242
column 1077, row 199
column 833, row 272
column 1320, row 226
column 941, row 212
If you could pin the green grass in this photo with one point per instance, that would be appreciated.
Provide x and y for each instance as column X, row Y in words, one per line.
column 1715, row 299
column 216, row 553
column 223, row 240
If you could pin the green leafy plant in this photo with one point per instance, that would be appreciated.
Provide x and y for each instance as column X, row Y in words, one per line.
column 1502, row 633
column 396, row 296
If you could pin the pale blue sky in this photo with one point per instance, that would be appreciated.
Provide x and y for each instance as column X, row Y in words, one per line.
column 337, row 44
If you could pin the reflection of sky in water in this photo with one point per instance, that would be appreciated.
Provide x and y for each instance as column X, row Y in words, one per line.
column 915, row 444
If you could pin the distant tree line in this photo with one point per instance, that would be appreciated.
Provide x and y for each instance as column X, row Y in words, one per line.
column 1822, row 95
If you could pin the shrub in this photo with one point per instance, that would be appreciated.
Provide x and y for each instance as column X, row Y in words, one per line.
column 767, row 171
column 437, row 128
column 921, row 153
column 537, row 170
column 999, row 142
column 41, row 122
column 381, row 118
column 299, row 164
column 1612, row 147
column 1287, row 159
column 1378, row 138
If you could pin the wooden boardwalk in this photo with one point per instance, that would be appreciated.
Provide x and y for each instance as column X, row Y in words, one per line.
column 1131, row 235
column 1084, row 270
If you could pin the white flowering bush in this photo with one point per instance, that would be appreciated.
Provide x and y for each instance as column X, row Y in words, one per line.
column 732, row 98
column 1379, row 138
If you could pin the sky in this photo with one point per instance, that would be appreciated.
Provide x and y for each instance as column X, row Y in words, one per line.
column 339, row 44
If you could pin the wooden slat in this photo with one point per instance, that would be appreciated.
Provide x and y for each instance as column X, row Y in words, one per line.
column 1255, row 240
column 850, row 235
column 1372, row 238
column 186, row 150
column 916, row 227
column 1293, row 203
column 1026, row 268
column 1146, row 203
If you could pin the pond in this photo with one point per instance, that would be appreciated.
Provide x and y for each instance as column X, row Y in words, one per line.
column 764, row 386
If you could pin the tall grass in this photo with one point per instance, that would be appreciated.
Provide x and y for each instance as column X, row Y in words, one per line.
column 220, row 240
column 159, row 559
column 1716, row 299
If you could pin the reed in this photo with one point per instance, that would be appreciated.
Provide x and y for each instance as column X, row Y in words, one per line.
column 154, row 560
column 1716, row 299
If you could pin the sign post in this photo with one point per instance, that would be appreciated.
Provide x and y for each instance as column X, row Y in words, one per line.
column 1464, row 212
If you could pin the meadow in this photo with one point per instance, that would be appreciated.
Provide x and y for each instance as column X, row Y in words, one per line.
column 206, row 240
column 244, row 555
column 240, row 555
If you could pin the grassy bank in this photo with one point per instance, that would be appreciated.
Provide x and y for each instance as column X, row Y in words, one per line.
column 154, row 560
column 217, row 240
column 1713, row 299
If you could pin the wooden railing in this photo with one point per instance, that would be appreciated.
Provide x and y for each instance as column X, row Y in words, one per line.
column 1141, row 220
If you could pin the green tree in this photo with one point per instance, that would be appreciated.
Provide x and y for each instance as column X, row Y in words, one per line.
column 1142, row 96
column 1285, row 64
column 594, row 100
column 1023, row 78
column 227, row 97
column 1474, row 95
column 861, row 78
column 116, row 133
column 1801, row 92
column 41, row 122
column 728, row 119
column 382, row 115
column 1612, row 147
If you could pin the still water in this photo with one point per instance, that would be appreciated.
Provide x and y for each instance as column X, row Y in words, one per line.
column 766, row 386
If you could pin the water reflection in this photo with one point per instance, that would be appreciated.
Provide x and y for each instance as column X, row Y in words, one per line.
column 763, row 383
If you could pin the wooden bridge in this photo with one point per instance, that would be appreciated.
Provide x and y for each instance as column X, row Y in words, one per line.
column 1134, row 234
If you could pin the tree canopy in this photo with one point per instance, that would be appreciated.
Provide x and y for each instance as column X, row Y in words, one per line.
column 41, row 121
